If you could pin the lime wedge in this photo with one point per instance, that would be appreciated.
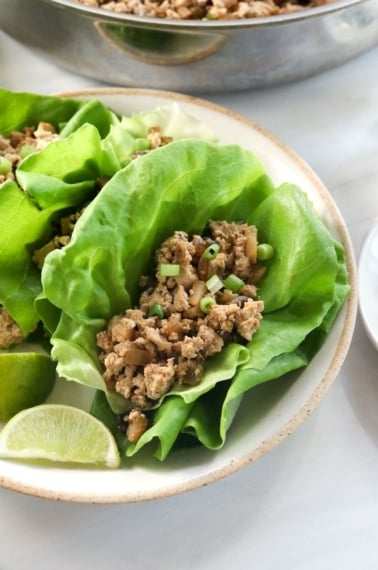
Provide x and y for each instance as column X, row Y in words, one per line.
column 26, row 379
column 56, row 432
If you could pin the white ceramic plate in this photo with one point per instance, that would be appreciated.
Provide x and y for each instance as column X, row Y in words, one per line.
column 279, row 407
column 368, row 283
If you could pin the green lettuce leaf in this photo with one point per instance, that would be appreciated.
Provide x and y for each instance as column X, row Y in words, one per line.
column 20, row 109
column 53, row 181
column 94, row 143
column 182, row 186
column 23, row 228
column 64, row 173
column 178, row 186
column 130, row 134
column 26, row 217
column 288, row 337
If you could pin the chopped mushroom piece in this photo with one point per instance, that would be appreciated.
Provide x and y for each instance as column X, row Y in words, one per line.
column 136, row 423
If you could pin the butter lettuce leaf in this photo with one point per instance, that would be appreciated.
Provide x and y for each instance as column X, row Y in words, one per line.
column 26, row 214
column 23, row 227
column 94, row 143
column 181, row 187
column 64, row 173
column 288, row 337
column 131, row 133
column 21, row 109
column 178, row 186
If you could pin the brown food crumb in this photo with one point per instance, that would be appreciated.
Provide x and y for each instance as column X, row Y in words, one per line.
column 10, row 332
column 136, row 423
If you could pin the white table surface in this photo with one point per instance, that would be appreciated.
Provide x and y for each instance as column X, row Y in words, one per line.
column 312, row 503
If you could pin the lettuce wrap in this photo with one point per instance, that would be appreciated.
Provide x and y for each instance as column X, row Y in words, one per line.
column 182, row 186
column 25, row 221
column 94, row 143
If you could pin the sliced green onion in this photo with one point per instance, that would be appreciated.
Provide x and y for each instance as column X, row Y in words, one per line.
column 264, row 251
column 5, row 165
column 211, row 251
column 206, row 303
column 156, row 310
column 27, row 149
column 169, row 269
column 233, row 283
column 214, row 283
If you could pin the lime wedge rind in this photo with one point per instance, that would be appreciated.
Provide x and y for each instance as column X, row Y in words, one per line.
column 59, row 433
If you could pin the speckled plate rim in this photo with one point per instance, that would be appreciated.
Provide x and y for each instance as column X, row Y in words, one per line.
column 36, row 481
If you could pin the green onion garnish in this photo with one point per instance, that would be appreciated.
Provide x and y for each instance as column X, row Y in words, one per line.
column 214, row 283
column 264, row 251
column 169, row 269
column 233, row 283
column 156, row 310
column 206, row 303
column 5, row 165
column 211, row 251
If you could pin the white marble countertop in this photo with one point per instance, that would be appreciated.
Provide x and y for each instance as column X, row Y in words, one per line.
column 310, row 504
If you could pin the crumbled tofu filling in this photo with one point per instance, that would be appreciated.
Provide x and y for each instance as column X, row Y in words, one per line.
column 204, row 9
column 20, row 143
column 146, row 351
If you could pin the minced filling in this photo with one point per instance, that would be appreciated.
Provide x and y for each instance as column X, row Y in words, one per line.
column 202, row 296
column 13, row 149
column 19, row 144
column 204, row 9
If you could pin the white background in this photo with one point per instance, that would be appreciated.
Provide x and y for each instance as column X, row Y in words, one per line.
column 312, row 503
